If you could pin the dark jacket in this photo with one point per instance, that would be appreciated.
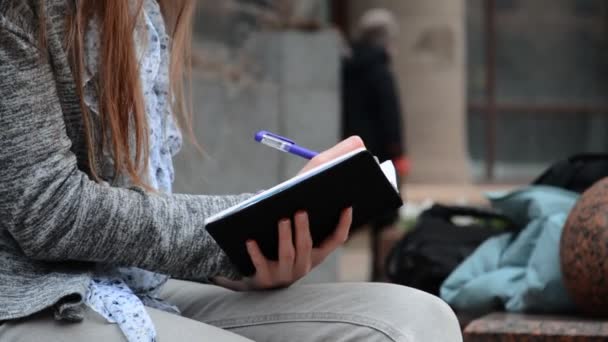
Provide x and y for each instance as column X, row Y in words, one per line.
column 370, row 102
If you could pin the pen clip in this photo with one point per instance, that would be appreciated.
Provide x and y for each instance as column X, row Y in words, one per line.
column 260, row 136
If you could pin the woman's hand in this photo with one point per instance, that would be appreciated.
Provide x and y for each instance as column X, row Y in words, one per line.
column 346, row 146
column 297, row 257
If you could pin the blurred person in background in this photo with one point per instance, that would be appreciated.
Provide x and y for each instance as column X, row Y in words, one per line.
column 370, row 102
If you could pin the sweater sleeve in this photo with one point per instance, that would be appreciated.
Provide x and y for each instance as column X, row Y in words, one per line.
column 56, row 213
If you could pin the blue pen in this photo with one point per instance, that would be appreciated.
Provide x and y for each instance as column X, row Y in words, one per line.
column 284, row 144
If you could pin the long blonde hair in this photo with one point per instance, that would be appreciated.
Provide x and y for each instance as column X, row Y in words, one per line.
column 121, row 101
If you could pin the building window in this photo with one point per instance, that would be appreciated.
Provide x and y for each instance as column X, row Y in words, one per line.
column 538, row 83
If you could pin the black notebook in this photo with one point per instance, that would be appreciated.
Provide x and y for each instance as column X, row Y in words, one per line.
column 354, row 180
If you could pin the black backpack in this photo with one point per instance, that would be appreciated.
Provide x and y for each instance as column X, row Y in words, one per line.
column 577, row 173
column 425, row 257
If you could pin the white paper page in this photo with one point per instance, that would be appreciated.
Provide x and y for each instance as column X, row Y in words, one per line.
column 391, row 174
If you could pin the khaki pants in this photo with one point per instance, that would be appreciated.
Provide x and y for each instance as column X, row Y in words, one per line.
column 332, row 312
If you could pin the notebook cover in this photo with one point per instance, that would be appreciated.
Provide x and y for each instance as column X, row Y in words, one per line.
column 357, row 181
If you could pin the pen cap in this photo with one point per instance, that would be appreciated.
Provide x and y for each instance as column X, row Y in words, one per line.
column 259, row 137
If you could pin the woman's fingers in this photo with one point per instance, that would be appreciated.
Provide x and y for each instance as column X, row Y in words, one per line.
column 337, row 239
column 287, row 253
column 263, row 275
column 340, row 149
column 303, row 262
column 295, row 261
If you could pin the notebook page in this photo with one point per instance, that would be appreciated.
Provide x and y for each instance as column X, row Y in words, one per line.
column 391, row 174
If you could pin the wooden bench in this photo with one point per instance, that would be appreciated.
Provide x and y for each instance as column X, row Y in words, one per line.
column 502, row 327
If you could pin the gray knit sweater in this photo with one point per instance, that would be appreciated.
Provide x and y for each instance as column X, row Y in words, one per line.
column 55, row 222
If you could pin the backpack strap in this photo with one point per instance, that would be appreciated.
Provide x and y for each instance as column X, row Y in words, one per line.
column 448, row 213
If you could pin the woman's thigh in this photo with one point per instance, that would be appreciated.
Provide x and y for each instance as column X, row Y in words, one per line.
column 328, row 312
column 94, row 328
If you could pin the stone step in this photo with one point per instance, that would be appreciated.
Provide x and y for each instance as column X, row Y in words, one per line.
column 501, row 327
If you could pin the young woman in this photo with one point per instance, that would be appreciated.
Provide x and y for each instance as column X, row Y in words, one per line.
column 89, row 230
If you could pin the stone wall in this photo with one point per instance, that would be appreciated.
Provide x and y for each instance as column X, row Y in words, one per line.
column 292, row 88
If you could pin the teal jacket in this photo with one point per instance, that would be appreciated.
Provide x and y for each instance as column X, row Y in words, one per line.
column 517, row 272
